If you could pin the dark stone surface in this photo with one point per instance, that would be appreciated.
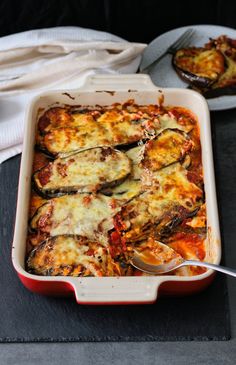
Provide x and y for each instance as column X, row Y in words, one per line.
column 29, row 317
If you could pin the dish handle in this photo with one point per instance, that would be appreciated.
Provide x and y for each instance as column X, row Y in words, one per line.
column 132, row 82
column 116, row 290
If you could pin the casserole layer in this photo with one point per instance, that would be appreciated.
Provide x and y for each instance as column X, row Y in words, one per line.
column 144, row 183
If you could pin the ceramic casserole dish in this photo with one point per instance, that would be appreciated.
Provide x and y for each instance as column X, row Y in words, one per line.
column 106, row 90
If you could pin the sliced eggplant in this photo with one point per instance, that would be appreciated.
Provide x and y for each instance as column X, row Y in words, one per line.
column 136, row 154
column 220, row 91
column 70, row 256
column 81, row 214
column 59, row 117
column 95, row 133
column 226, row 84
column 169, row 122
column 200, row 67
column 125, row 191
column 86, row 171
column 213, row 70
column 171, row 198
column 68, row 132
column 168, row 147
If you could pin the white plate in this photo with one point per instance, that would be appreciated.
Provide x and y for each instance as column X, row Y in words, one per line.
column 164, row 75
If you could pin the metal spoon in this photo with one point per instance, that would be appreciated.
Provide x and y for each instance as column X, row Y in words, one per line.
column 139, row 263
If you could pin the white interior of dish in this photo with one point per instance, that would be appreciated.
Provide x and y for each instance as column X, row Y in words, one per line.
column 96, row 91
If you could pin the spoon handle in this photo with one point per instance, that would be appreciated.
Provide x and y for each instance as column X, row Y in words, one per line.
column 223, row 269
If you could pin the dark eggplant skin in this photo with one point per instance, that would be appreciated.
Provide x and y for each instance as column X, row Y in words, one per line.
column 72, row 214
column 166, row 209
column 164, row 230
column 198, row 81
column 31, row 219
column 214, row 93
column 49, row 194
column 118, row 167
column 45, row 259
column 224, row 82
column 174, row 152
column 43, row 150
column 226, row 85
column 192, row 78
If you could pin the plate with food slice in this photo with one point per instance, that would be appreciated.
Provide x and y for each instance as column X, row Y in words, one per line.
column 207, row 64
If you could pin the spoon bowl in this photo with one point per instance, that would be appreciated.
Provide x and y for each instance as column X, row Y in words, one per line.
column 172, row 262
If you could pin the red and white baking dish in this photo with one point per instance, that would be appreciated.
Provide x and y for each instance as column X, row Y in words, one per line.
column 105, row 90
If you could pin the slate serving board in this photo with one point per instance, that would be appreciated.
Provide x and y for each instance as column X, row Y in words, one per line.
column 28, row 317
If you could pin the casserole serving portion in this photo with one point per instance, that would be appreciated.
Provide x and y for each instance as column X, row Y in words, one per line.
column 115, row 167
column 211, row 69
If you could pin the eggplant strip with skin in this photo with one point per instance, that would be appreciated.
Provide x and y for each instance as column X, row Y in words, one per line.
column 58, row 117
column 199, row 66
column 168, row 147
column 81, row 214
column 85, row 171
column 91, row 134
column 110, row 129
column 70, row 256
column 226, row 84
column 136, row 154
column 125, row 191
column 210, row 70
column 171, row 198
column 120, row 177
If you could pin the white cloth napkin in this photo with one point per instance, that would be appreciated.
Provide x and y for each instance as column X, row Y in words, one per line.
column 54, row 58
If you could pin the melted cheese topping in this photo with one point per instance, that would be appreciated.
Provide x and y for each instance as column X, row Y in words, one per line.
column 144, row 193
column 228, row 78
column 170, row 146
column 170, row 122
column 201, row 62
column 136, row 154
column 85, row 171
column 81, row 214
column 127, row 190
column 170, row 191
column 112, row 128
column 70, row 254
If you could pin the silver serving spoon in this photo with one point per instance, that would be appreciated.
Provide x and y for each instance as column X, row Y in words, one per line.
column 139, row 263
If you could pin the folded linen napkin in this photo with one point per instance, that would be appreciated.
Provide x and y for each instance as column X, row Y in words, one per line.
column 54, row 58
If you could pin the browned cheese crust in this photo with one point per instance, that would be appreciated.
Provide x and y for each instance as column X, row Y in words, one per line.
column 110, row 180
